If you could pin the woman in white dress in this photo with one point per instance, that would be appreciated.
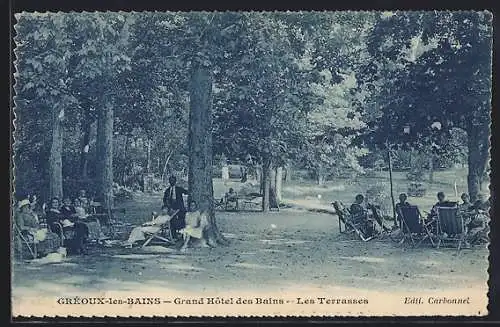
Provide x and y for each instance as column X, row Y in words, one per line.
column 196, row 222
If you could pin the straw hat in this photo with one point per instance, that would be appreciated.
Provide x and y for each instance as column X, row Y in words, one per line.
column 23, row 203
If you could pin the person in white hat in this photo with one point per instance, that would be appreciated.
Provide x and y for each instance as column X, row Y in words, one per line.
column 25, row 218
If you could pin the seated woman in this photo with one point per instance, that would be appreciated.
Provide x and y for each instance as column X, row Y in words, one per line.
column 196, row 222
column 29, row 226
column 153, row 226
column 73, row 233
column 94, row 229
column 478, row 227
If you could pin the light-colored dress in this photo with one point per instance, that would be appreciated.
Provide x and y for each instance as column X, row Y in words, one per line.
column 196, row 222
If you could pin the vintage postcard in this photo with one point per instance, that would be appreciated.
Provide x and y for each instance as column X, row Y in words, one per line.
column 271, row 164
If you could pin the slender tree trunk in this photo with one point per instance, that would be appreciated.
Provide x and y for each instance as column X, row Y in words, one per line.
column 148, row 156
column 279, row 183
column 200, row 146
column 258, row 176
column 266, row 183
column 166, row 165
column 123, row 173
column 478, row 154
column 84, row 155
column 431, row 168
column 55, row 158
column 321, row 175
column 105, row 151
column 393, row 203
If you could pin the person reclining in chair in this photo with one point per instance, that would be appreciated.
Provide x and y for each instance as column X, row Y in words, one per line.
column 150, row 227
column 196, row 222
column 477, row 223
column 401, row 204
column 360, row 216
column 231, row 197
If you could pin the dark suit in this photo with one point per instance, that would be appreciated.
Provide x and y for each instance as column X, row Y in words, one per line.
column 179, row 221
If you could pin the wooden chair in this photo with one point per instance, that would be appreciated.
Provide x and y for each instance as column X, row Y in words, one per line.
column 108, row 218
column 163, row 235
column 414, row 229
column 219, row 204
column 451, row 226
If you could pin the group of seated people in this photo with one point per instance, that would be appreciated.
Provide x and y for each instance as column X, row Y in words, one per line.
column 368, row 219
column 475, row 214
column 69, row 220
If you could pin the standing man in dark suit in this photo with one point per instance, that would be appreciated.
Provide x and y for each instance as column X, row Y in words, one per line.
column 173, row 200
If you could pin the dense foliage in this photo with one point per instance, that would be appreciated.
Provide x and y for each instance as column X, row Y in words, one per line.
column 323, row 91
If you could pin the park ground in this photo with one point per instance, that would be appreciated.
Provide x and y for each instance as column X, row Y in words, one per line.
column 268, row 252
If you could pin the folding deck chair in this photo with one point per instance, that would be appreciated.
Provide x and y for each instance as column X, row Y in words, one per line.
column 413, row 226
column 352, row 223
column 341, row 214
column 451, row 226
column 23, row 244
column 163, row 235
column 108, row 219
column 249, row 200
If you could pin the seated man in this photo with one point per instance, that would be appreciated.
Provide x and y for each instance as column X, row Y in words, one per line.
column 231, row 197
column 153, row 226
column 431, row 217
column 196, row 221
column 359, row 215
column 357, row 209
column 402, row 203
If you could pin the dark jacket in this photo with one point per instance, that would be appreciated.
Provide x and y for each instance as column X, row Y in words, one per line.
column 53, row 216
column 178, row 203
column 68, row 212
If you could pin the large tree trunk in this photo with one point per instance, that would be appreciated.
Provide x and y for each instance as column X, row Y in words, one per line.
column 478, row 154
column 272, row 177
column 105, row 155
column 266, row 183
column 200, row 150
column 55, row 158
column 279, row 183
